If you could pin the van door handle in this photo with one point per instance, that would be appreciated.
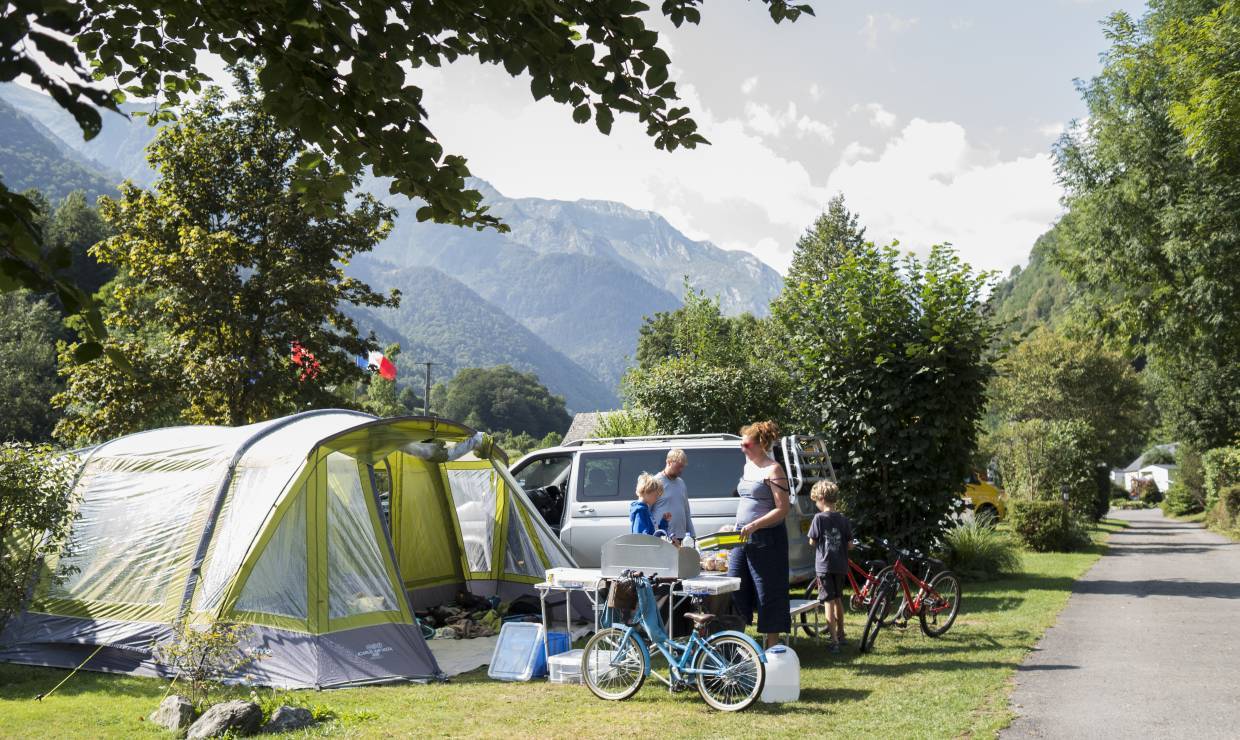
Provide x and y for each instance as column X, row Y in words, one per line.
column 585, row 509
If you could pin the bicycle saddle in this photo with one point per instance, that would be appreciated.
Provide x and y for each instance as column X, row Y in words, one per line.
column 699, row 618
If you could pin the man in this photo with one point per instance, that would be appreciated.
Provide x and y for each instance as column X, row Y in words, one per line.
column 675, row 498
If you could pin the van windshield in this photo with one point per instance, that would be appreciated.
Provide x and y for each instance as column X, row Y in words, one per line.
column 541, row 472
column 612, row 475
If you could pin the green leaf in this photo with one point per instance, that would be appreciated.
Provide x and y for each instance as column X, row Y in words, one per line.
column 87, row 351
column 603, row 118
column 656, row 76
column 581, row 113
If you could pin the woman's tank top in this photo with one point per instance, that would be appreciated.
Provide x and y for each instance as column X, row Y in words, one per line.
column 756, row 496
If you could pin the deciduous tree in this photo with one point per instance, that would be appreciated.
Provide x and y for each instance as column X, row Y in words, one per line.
column 889, row 359
column 230, row 288
column 1153, row 222
column 502, row 399
column 702, row 372
column 29, row 330
column 1052, row 377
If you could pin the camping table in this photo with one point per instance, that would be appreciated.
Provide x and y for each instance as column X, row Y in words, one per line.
column 588, row 581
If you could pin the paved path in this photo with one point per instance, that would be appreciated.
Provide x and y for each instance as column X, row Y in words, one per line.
column 1148, row 646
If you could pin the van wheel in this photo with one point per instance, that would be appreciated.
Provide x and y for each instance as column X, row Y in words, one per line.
column 987, row 514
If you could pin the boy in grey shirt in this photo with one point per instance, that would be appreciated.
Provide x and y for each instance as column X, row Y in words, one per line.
column 830, row 534
column 675, row 498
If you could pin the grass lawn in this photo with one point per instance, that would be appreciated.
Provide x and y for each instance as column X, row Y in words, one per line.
column 911, row 686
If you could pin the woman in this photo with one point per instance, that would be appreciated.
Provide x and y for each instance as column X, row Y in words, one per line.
column 762, row 562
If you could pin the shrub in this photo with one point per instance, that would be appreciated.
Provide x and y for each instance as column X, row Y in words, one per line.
column 688, row 396
column 1040, row 458
column 1191, row 474
column 977, row 551
column 1047, row 526
column 1220, row 469
column 1230, row 497
column 626, row 423
column 36, row 488
column 1225, row 514
column 1179, row 501
column 206, row 655
column 1151, row 496
column 1102, row 493
column 1144, row 490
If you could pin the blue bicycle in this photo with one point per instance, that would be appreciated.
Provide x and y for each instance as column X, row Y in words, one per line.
column 728, row 667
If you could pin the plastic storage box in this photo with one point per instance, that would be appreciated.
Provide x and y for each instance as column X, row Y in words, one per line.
column 565, row 667
column 519, row 654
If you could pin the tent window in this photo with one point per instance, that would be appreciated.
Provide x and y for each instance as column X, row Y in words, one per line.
column 130, row 541
column 383, row 489
column 520, row 557
column 356, row 578
column 474, row 495
column 277, row 584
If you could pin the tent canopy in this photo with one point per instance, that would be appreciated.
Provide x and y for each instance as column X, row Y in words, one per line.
column 321, row 530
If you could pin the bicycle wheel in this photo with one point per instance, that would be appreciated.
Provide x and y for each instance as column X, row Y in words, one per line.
column 886, row 574
column 940, row 607
column 613, row 665
column 808, row 628
column 736, row 673
column 874, row 621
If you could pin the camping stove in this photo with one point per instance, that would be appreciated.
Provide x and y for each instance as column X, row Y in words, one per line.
column 651, row 556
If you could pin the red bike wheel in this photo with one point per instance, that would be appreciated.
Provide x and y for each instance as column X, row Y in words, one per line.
column 878, row 608
column 940, row 605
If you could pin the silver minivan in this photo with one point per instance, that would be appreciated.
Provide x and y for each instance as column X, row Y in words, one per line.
column 583, row 489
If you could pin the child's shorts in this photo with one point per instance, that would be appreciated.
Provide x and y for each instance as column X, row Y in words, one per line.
column 830, row 586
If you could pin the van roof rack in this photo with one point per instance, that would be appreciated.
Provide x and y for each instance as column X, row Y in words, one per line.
column 649, row 438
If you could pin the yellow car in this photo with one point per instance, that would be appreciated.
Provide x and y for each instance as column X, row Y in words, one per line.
column 984, row 498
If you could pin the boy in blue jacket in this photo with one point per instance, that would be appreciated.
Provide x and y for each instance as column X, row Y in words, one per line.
column 641, row 520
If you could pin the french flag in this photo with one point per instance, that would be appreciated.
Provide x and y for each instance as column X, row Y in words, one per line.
column 377, row 362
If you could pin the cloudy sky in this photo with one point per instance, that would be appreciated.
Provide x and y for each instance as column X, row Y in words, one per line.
column 934, row 119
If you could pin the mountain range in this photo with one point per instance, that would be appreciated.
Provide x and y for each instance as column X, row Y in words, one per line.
column 562, row 294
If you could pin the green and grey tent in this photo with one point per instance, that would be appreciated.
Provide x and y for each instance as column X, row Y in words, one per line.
column 321, row 530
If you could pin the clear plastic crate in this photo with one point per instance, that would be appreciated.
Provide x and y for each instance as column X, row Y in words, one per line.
column 519, row 653
column 565, row 667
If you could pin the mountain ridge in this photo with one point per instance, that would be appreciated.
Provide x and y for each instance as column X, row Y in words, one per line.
column 581, row 275
column 467, row 331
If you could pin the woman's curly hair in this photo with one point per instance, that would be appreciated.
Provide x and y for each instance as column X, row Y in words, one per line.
column 765, row 433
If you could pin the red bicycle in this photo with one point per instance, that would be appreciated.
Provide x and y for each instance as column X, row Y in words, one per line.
column 863, row 582
column 935, row 600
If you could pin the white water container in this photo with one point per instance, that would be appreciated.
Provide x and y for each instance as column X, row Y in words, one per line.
column 783, row 675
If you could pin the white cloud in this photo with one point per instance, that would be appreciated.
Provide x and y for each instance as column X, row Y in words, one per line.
column 930, row 185
column 927, row 184
column 961, row 24
column 1051, row 130
column 879, row 115
column 749, row 85
column 854, row 151
column 763, row 120
column 739, row 192
column 815, row 92
column 882, row 24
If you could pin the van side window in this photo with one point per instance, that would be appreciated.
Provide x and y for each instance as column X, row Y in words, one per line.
column 599, row 479
column 713, row 473
column 612, row 476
